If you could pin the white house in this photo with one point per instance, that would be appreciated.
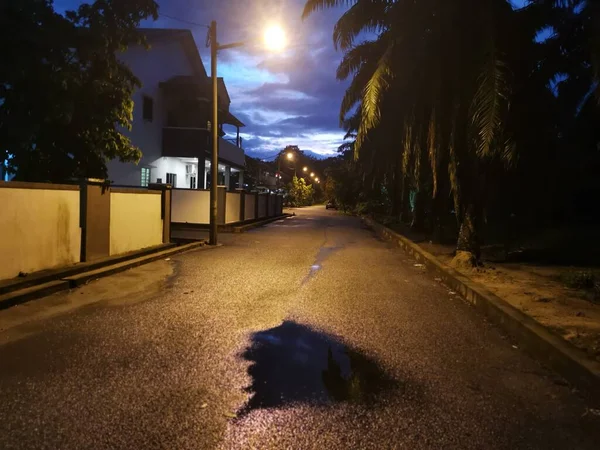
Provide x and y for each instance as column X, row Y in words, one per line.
column 171, row 118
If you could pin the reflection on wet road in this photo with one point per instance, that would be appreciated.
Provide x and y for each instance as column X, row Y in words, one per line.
column 293, row 364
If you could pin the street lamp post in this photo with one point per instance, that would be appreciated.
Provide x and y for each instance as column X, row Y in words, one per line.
column 275, row 38
column 214, row 166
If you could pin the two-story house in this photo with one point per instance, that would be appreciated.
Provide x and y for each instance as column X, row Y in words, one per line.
column 171, row 118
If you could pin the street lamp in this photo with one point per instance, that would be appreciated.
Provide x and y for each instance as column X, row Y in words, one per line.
column 290, row 156
column 275, row 40
column 312, row 174
column 305, row 169
column 317, row 179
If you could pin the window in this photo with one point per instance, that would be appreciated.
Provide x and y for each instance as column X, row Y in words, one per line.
column 145, row 177
column 148, row 108
column 193, row 182
column 172, row 179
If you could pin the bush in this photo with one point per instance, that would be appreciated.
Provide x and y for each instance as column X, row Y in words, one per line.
column 583, row 279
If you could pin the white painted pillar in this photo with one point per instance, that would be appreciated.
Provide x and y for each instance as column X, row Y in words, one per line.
column 206, row 172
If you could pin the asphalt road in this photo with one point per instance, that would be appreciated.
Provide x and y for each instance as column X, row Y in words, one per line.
column 308, row 333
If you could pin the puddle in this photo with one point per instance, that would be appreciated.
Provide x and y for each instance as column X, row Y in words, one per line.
column 293, row 363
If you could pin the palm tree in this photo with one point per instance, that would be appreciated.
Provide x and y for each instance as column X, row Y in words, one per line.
column 445, row 62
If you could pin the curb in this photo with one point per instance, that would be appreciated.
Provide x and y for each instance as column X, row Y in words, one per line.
column 567, row 360
column 69, row 282
column 244, row 228
column 46, row 276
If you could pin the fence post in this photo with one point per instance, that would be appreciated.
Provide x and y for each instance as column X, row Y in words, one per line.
column 94, row 219
column 165, row 205
column 242, row 205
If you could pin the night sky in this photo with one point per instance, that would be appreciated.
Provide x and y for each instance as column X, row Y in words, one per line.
column 290, row 98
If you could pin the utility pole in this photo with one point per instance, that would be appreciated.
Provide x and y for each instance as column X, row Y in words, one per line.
column 214, row 166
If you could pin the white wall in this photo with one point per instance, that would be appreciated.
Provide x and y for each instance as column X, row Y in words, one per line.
column 249, row 211
column 135, row 221
column 190, row 206
column 170, row 165
column 164, row 60
column 232, row 207
column 39, row 230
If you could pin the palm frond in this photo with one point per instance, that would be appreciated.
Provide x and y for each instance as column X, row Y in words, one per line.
column 352, row 97
column 317, row 5
column 432, row 149
column 358, row 56
column 363, row 16
column 489, row 105
column 372, row 96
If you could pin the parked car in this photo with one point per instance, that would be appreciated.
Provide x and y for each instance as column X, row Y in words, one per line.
column 330, row 204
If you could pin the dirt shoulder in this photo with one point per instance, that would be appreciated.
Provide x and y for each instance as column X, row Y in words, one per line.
column 540, row 292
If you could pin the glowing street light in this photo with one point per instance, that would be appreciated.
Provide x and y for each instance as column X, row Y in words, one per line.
column 290, row 156
column 305, row 169
column 312, row 174
column 275, row 38
column 317, row 179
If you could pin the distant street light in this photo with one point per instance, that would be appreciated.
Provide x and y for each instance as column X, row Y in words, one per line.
column 317, row 179
column 290, row 156
column 312, row 174
column 305, row 169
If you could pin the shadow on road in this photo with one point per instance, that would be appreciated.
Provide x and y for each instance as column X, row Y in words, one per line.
column 293, row 363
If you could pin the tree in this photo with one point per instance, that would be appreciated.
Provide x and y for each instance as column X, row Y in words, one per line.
column 299, row 193
column 438, row 71
column 64, row 95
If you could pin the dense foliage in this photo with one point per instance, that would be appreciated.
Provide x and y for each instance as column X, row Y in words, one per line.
column 464, row 115
column 64, row 95
column 300, row 193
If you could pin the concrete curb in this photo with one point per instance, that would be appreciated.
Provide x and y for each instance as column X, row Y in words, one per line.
column 47, row 276
column 68, row 282
column 567, row 360
column 244, row 228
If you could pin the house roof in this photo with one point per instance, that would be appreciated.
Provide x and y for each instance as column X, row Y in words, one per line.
column 187, row 40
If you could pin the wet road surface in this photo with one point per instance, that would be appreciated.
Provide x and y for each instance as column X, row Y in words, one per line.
column 308, row 333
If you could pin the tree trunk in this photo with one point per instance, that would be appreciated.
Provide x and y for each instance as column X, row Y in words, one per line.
column 466, row 189
column 405, row 203
column 468, row 234
column 397, row 195
column 418, row 219
column 438, row 213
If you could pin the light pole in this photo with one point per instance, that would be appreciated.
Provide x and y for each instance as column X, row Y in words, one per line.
column 275, row 38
